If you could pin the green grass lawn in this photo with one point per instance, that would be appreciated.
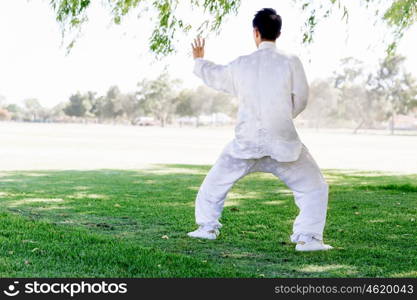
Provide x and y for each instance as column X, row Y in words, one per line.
column 115, row 223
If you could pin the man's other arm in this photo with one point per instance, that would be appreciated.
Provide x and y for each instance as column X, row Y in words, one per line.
column 299, row 87
column 218, row 77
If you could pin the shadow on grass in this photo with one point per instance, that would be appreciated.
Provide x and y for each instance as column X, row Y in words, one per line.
column 371, row 218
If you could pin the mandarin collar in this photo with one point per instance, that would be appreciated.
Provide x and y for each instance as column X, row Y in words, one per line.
column 266, row 44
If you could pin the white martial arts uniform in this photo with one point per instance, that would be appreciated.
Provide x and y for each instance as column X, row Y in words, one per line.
column 272, row 90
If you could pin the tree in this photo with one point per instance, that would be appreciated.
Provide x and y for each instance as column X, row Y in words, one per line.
column 189, row 105
column 33, row 109
column 357, row 99
column 111, row 104
column 117, row 105
column 218, row 102
column 395, row 87
column 322, row 104
column 204, row 100
column 368, row 98
column 352, row 101
column 72, row 14
column 131, row 107
column 57, row 113
column 399, row 15
column 159, row 97
column 16, row 111
column 80, row 105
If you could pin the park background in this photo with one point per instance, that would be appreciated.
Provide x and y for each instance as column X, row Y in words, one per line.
column 105, row 142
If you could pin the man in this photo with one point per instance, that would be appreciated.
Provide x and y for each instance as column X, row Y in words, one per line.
column 272, row 90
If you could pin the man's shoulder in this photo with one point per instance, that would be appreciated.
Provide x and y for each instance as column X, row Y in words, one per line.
column 242, row 58
column 281, row 55
column 287, row 55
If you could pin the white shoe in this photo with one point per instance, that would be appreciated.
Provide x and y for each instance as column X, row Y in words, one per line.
column 204, row 233
column 314, row 245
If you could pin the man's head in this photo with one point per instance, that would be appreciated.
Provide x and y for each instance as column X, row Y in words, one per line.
column 266, row 26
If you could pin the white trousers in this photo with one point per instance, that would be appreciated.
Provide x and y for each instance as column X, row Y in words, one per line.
column 302, row 176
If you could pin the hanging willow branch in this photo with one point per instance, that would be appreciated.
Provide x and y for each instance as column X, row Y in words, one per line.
column 72, row 14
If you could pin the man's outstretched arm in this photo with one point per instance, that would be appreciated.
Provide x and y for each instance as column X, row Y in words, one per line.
column 299, row 87
column 218, row 77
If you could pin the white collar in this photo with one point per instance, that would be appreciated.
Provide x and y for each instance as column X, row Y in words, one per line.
column 266, row 44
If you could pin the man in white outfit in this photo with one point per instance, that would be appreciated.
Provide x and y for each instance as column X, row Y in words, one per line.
column 272, row 90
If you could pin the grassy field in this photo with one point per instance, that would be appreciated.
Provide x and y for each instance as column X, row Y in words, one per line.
column 118, row 223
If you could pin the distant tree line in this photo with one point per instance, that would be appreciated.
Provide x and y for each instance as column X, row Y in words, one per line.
column 353, row 97
column 160, row 100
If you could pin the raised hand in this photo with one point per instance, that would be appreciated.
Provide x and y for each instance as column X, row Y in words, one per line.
column 198, row 47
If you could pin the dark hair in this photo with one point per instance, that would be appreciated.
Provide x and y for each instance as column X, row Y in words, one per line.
column 269, row 23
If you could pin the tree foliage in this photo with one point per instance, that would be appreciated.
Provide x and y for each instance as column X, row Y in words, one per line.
column 159, row 97
column 355, row 100
column 395, row 88
column 399, row 15
column 80, row 104
column 33, row 108
column 322, row 107
column 72, row 14
column 363, row 98
column 204, row 101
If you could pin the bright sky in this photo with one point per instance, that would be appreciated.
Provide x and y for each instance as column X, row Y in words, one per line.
column 33, row 64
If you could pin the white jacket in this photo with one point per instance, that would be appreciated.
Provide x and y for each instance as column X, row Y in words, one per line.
column 272, row 90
